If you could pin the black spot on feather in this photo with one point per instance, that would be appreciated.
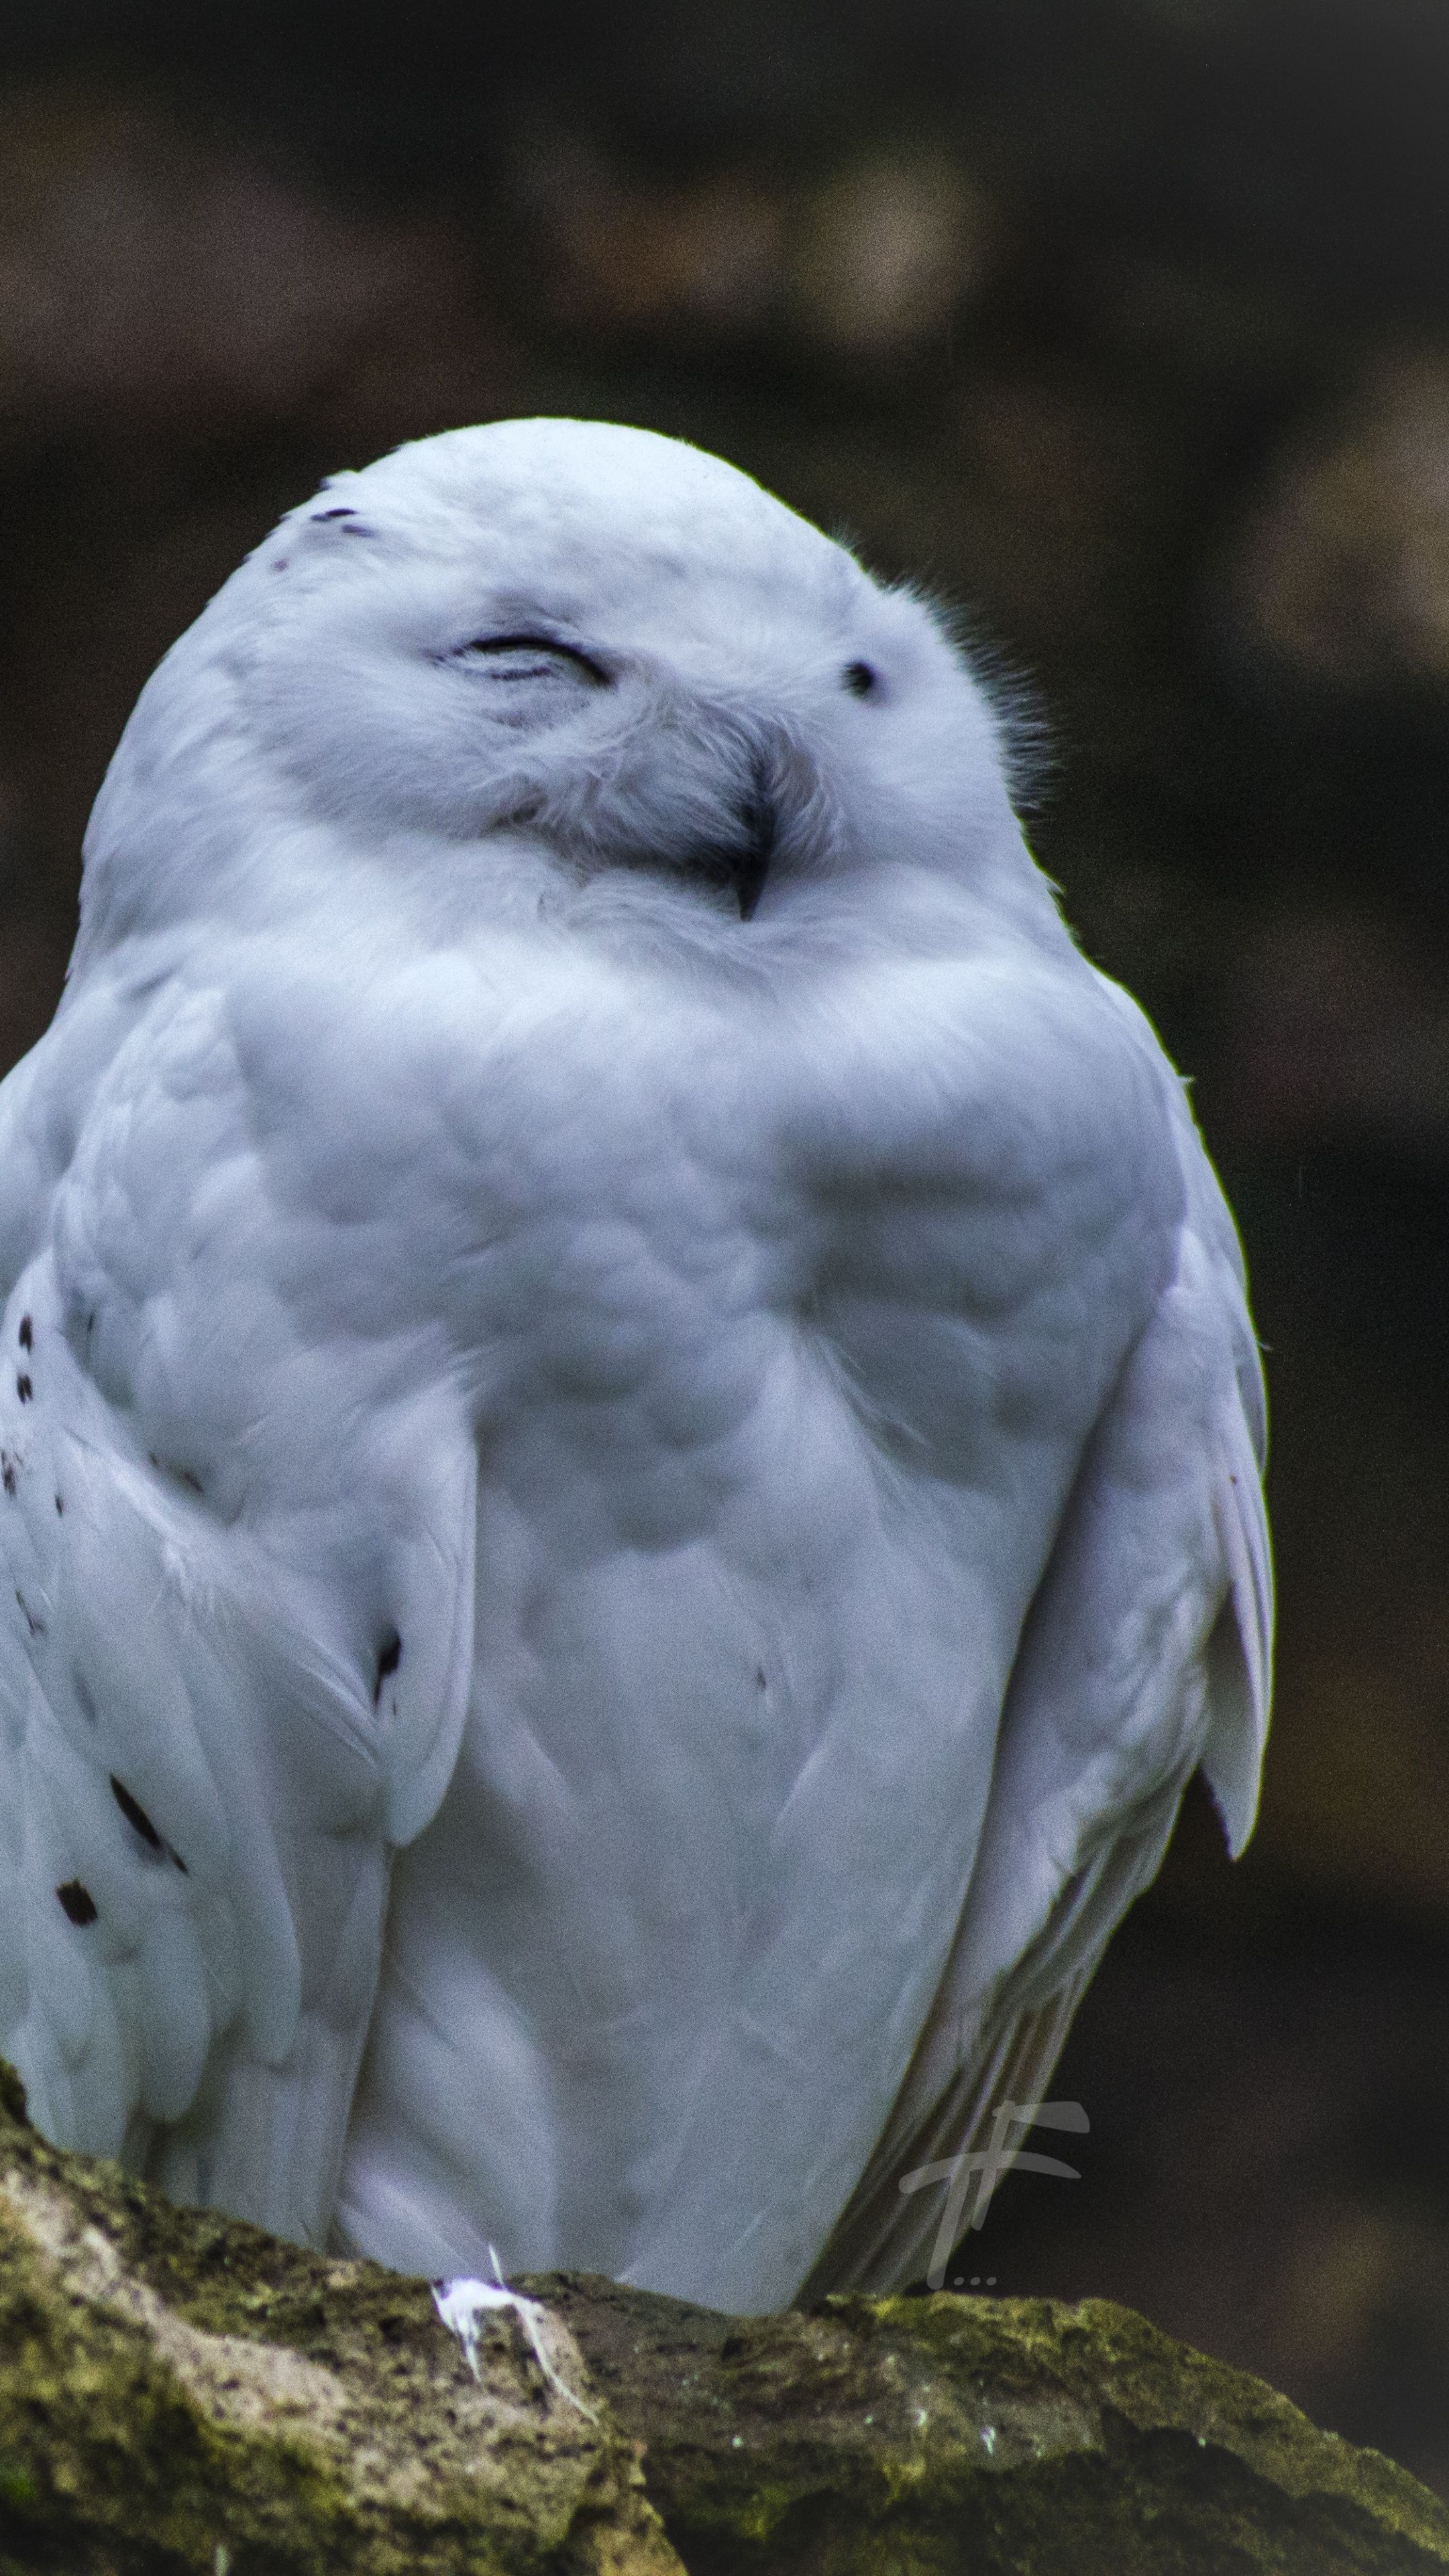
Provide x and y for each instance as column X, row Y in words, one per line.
column 135, row 1814
column 78, row 1902
column 389, row 1656
column 7, row 1472
column 24, row 1389
column 27, row 1333
column 36, row 1626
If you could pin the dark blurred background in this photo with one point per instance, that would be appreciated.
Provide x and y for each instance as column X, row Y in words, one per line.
column 1127, row 328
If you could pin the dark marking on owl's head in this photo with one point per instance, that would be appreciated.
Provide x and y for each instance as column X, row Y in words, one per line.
column 24, row 1389
column 27, row 1333
column 352, row 526
column 78, row 1902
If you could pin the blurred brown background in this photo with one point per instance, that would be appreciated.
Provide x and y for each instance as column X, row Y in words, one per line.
column 1127, row 327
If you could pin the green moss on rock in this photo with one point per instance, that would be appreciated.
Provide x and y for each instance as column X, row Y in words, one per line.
column 182, row 2396
column 1012, row 2437
column 179, row 2392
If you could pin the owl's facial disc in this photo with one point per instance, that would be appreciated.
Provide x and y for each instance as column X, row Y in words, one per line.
column 535, row 679
column 584, row 652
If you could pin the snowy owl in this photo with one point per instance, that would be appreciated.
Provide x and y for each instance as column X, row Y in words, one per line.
column 630, row 1435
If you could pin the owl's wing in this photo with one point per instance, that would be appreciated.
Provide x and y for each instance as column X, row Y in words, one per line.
column 218, row 1715
column 1146, row 1653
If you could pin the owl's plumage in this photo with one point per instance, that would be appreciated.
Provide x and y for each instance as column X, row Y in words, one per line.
column 630, row 1435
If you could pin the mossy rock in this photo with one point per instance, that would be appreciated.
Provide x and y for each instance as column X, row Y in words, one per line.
column 179, row 2393
column 982, row 2437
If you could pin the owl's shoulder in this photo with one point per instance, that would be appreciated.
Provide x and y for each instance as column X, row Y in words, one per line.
column 1004, row 1073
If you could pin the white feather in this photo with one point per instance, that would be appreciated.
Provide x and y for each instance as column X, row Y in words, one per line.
column 699, row 1467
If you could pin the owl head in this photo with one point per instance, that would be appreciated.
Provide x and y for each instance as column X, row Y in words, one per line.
column 586, row 662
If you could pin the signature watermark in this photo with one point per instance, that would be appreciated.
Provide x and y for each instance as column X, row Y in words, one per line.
column 972, row 2177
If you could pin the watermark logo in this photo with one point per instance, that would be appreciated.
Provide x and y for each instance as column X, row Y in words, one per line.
column 972, row 2177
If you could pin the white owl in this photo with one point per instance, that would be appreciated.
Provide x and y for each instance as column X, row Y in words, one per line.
column 630, row 1435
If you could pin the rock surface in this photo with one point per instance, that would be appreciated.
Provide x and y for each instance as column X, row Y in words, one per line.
column 179, row 2393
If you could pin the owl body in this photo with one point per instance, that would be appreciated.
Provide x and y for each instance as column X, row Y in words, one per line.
column 627, row 1428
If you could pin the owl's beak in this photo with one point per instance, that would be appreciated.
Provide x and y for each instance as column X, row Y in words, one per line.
column 742, row 863
column 752, row 865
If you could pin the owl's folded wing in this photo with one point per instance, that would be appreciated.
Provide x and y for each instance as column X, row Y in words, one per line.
column 213, row 1732
column 1146, row 1654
